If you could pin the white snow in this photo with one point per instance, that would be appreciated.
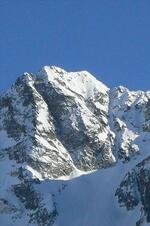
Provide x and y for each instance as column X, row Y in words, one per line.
column 5, row 141
column 90, row 199
column 82, row 83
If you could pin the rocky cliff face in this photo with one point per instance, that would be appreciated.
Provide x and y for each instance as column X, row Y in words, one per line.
column 58, row 125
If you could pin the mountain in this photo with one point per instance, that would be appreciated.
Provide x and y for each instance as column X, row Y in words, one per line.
column 73, row 152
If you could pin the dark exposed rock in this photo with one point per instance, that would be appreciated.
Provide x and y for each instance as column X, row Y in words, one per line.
column 135, row 188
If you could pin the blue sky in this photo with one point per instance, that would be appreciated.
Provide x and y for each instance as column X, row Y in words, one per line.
column 109, row 38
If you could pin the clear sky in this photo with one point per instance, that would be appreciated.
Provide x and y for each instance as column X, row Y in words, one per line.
column 109, row 38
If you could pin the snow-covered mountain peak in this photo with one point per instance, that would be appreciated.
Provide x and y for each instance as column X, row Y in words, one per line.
column 55, row 127
column 82, row 83
column 51, row 70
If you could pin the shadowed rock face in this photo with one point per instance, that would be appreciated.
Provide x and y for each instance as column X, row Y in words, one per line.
column 134, row 190
column 56, row 124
